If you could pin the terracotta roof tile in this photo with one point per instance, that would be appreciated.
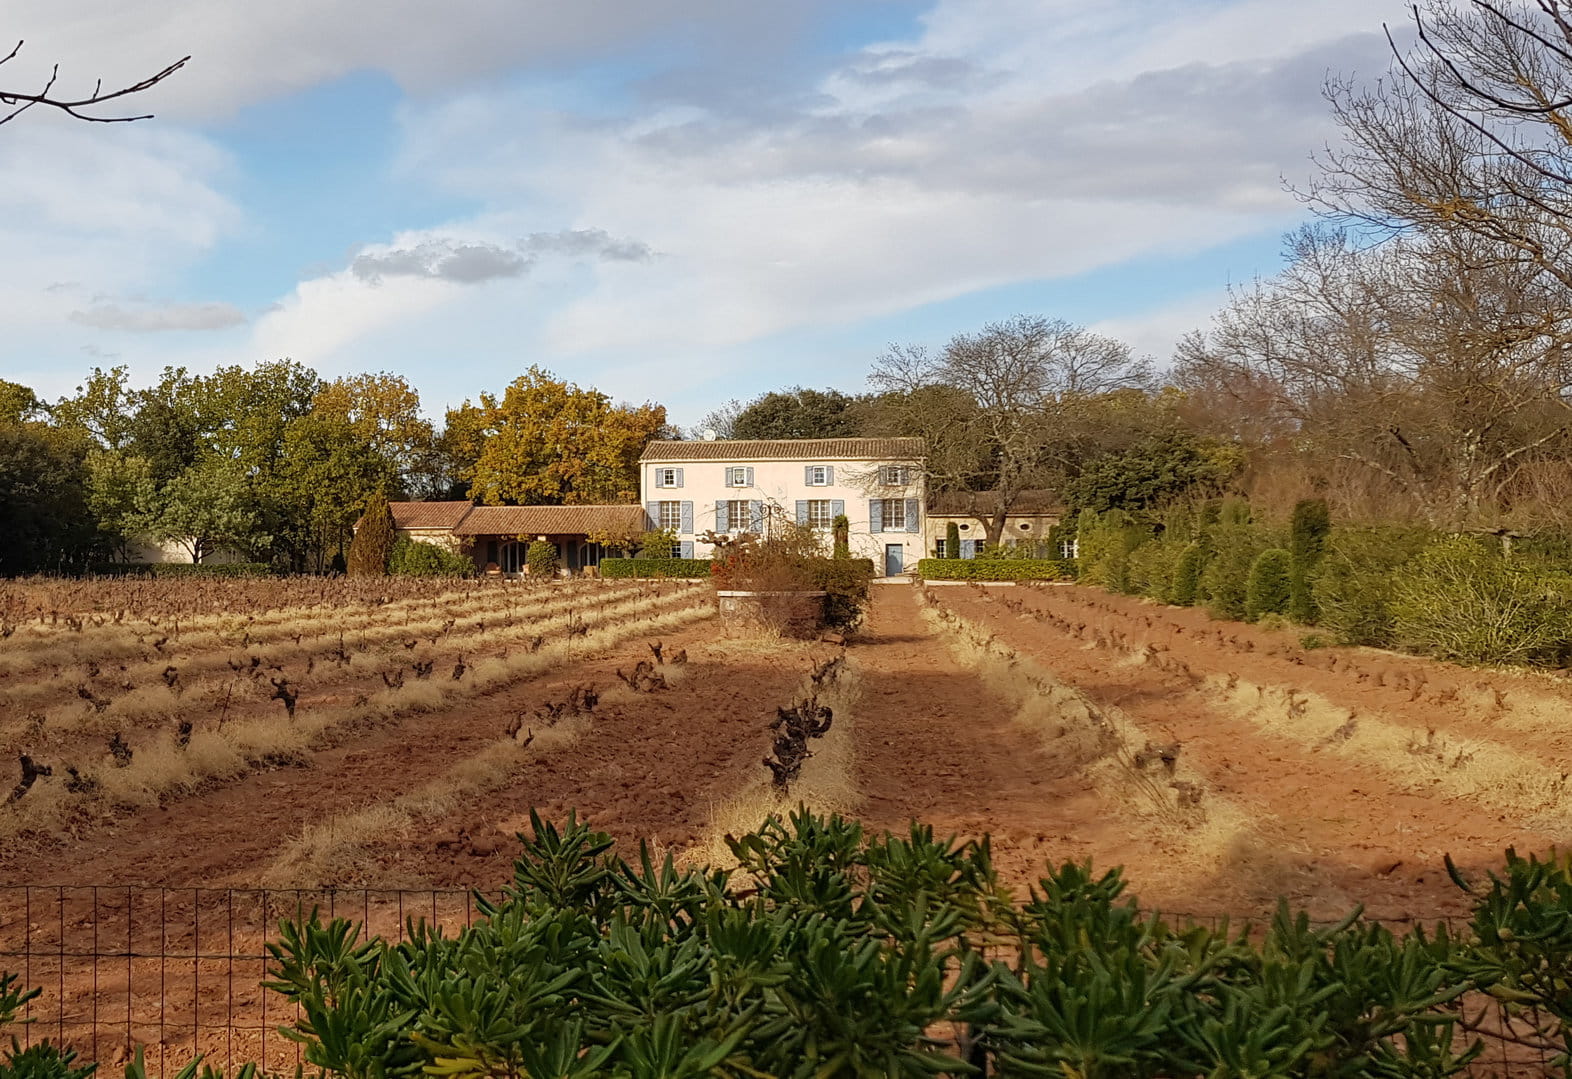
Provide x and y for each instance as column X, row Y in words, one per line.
column 428, row 514
column 800, row 449
column 551, row 520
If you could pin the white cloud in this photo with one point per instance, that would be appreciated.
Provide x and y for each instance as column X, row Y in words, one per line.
column 159, row 318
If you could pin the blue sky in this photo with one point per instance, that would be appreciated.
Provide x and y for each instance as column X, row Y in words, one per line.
column 679, row 200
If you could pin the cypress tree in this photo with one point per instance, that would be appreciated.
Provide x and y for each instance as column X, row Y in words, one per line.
column 372, row 546
column 1308, row 532
column 1187, row 574
column 1267, row 589
column 952, row 540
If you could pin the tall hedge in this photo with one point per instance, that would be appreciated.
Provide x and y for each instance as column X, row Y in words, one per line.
column 1235, row 543
column 372, row 546
column 1268, row 591
column 1187, row 574
column 1353, row 586
column 1308, row 530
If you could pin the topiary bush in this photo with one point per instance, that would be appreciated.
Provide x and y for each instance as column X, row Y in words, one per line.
column 372, row 546
column 416, row 558
column 1308, row 530
column 1187, row 574
column 1235, row 544
column 1461, row 599
column 1267, row 591
column 1353, row 584
column 541, row 558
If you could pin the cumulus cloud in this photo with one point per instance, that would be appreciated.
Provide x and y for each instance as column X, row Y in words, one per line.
column 161, row 318
column 595, row 243
column 464, row 263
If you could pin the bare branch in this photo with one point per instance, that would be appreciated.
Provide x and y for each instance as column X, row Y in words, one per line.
column 19, row 102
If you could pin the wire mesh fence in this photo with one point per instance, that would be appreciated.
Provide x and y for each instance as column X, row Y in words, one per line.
column 178, row 972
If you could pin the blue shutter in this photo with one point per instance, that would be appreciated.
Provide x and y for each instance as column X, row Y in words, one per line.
column 807, row 475
column 652, row 511
column 829, row 475
column 968, row 549
column 687, row 549
column 837, row 508
column 687, row 519
column 912, row 507
column 875, row 515
column 722, row 517
column 802, row 512
column 755, row 515
column 679, row 477
column 750, row 476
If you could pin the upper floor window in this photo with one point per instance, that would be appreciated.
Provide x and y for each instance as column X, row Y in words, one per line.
column 668, row 477
column 737, row 476
column 818, row 475
column 894, row 475
column 668, row 516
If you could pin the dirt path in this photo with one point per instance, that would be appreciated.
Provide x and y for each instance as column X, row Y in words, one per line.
column 936, row 743
column 226, row 835
column 1337, row 829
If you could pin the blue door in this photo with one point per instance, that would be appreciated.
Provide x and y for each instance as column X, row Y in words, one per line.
column 893, row 555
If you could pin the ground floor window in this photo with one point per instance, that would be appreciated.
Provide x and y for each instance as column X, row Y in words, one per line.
column 739, row 516
column 819, row 513
column 668, row 516
column 894, row 514
column 938, row 548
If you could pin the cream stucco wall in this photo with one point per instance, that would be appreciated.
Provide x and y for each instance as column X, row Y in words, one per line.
column 781, row 484
column 438, row 537
column 1026, row 527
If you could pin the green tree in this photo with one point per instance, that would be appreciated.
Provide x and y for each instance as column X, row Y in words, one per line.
column 1157, row 470
column 1267, row 592
column 1308, row 530
column 208, row 507
column 799, row 413
column 319, row 486
column 45, row 523
column 1187, row 574
column 541, row 558
column 952, row 540
column 548, row 442
column 122, row 496
column 18, row 403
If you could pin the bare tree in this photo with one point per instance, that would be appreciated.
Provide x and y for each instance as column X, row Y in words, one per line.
column 998, row 408
column 18, row 101
column 1432, row 366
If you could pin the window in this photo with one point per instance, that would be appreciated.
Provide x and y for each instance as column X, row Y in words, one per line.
column 668, row 516
column 739, row 516
column 819, row 513
column 1070, row 548
column 894, row 515
column 892, row 475
column 818, row 476
column 736, row 477
column 666, row 477
column 938, row 548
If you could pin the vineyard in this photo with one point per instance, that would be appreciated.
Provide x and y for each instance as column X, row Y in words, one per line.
column 311, row 735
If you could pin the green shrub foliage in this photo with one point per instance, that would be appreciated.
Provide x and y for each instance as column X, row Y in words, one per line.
column 372, row 546
column 993, row 569
column 541, row 558
column 1308, row 530
column 845, row 583
column 1353, row 586
column 415, row 558
column 952, row 540
column 1234, row 546
column 654, row 567
column 1461, row 599
column 1187, row 574
column 1268, row 591
column 182, row 569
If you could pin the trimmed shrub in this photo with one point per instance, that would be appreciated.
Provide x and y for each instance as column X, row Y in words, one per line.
column 541, row 558
column 992, row 569
column 655, row 567
column 1267, row 592
column 181, row 569
column 1153, row 567
column 1307, row 534
column 1461, row 599
column 372, row 546
column 1353, row 585
column 841, row 530
column 658, row 543
column 416, row 558
column 845, row 582
column 952, row 540
column 1226, row 579
column 1187, row 574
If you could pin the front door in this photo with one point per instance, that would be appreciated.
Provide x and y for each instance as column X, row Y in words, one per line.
column 894, row 554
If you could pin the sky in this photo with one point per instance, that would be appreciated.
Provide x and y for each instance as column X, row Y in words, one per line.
column 685, row 201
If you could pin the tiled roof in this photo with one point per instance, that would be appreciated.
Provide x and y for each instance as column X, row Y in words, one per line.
column 552, row 520
column 964, row 503
column 794, row 449
column 428, row 514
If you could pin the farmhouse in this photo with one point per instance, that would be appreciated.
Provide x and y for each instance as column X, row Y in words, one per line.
column 500, row 535
column 1032, row 516
column 733, row 486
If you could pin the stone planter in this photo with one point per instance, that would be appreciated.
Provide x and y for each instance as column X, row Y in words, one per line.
column 793, row 614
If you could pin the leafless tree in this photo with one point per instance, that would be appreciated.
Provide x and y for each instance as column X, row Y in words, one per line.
column 18, row 101
column 998, row 407
column 1432, row 366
